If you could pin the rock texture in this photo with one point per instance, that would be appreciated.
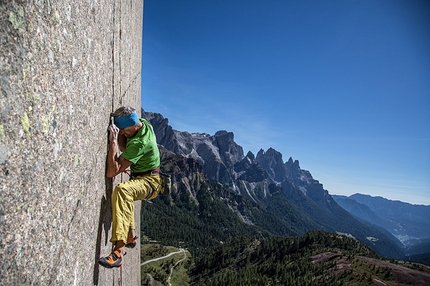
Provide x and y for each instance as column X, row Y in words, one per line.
column 218, row 153
column 64, row 67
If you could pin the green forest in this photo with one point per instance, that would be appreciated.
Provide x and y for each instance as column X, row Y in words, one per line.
column 316, row 258
column 283, row 261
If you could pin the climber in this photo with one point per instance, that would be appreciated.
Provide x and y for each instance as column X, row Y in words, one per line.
column 136, row 139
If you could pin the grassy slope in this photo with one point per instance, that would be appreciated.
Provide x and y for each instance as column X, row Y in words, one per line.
column 160, row 270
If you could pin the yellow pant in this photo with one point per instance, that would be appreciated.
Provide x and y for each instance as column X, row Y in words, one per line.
column 123, row 197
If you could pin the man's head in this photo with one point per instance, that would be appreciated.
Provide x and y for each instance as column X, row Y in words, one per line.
column 127, row 120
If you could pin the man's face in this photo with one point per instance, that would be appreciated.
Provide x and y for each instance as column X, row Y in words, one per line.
column 128, row 131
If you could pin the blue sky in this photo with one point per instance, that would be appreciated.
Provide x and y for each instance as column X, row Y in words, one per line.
column 341, row 86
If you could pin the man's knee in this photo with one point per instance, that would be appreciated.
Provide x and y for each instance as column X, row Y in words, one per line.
column 120, row 191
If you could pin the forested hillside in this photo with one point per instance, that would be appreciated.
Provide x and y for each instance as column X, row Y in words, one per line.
column 317, row 258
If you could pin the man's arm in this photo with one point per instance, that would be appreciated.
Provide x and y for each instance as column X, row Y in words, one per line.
column 115, row 164
column 122, row 142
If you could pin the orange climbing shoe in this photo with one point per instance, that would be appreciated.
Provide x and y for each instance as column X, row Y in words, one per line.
column 131, row 243
column 112, row 260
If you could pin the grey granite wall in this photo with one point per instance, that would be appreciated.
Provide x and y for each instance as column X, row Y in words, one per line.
column 65, row 65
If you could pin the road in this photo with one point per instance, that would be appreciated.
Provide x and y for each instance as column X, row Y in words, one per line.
column 159, row 258
column 171, row 269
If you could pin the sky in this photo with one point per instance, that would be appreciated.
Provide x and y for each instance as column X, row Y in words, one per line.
column 341, row 86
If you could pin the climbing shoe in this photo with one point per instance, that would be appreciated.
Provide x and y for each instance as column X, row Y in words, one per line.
column 131, row 243
column 112, row 260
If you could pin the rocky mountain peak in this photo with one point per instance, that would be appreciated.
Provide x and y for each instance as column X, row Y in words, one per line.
column 223, row 133
column 223, row 159
column 217, row 154
column 250, row 155
column 229, row 151
column 293, row 170
column 271, row 161
column 292, row 164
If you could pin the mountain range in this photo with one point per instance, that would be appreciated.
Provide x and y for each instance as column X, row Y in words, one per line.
column 409, row 223
column 221, row 191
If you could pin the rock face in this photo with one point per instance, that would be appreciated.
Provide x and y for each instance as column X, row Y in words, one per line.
column 64, row 67
column 271, row 161
column 218, row 153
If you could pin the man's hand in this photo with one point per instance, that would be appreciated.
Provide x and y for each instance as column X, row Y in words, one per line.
column 113, row 132
column 116, row 164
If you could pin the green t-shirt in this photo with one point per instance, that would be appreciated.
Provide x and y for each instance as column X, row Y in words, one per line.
column 142, row 149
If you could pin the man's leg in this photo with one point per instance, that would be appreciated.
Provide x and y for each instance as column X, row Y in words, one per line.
column 143, row 188
column 131, row 239
column 123, row 198
column 122, row 214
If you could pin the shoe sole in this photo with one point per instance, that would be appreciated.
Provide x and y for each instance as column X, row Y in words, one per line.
column 132, row 244
column 108, row 265
column 104, row 263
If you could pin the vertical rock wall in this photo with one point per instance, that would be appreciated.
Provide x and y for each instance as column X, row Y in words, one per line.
column 65, row 65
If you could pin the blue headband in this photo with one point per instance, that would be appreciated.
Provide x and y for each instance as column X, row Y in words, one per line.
column 126, row 121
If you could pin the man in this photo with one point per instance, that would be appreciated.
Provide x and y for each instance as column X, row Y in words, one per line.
column 136, row 139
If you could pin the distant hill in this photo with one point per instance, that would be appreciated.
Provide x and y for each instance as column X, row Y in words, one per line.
column 222, row 193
